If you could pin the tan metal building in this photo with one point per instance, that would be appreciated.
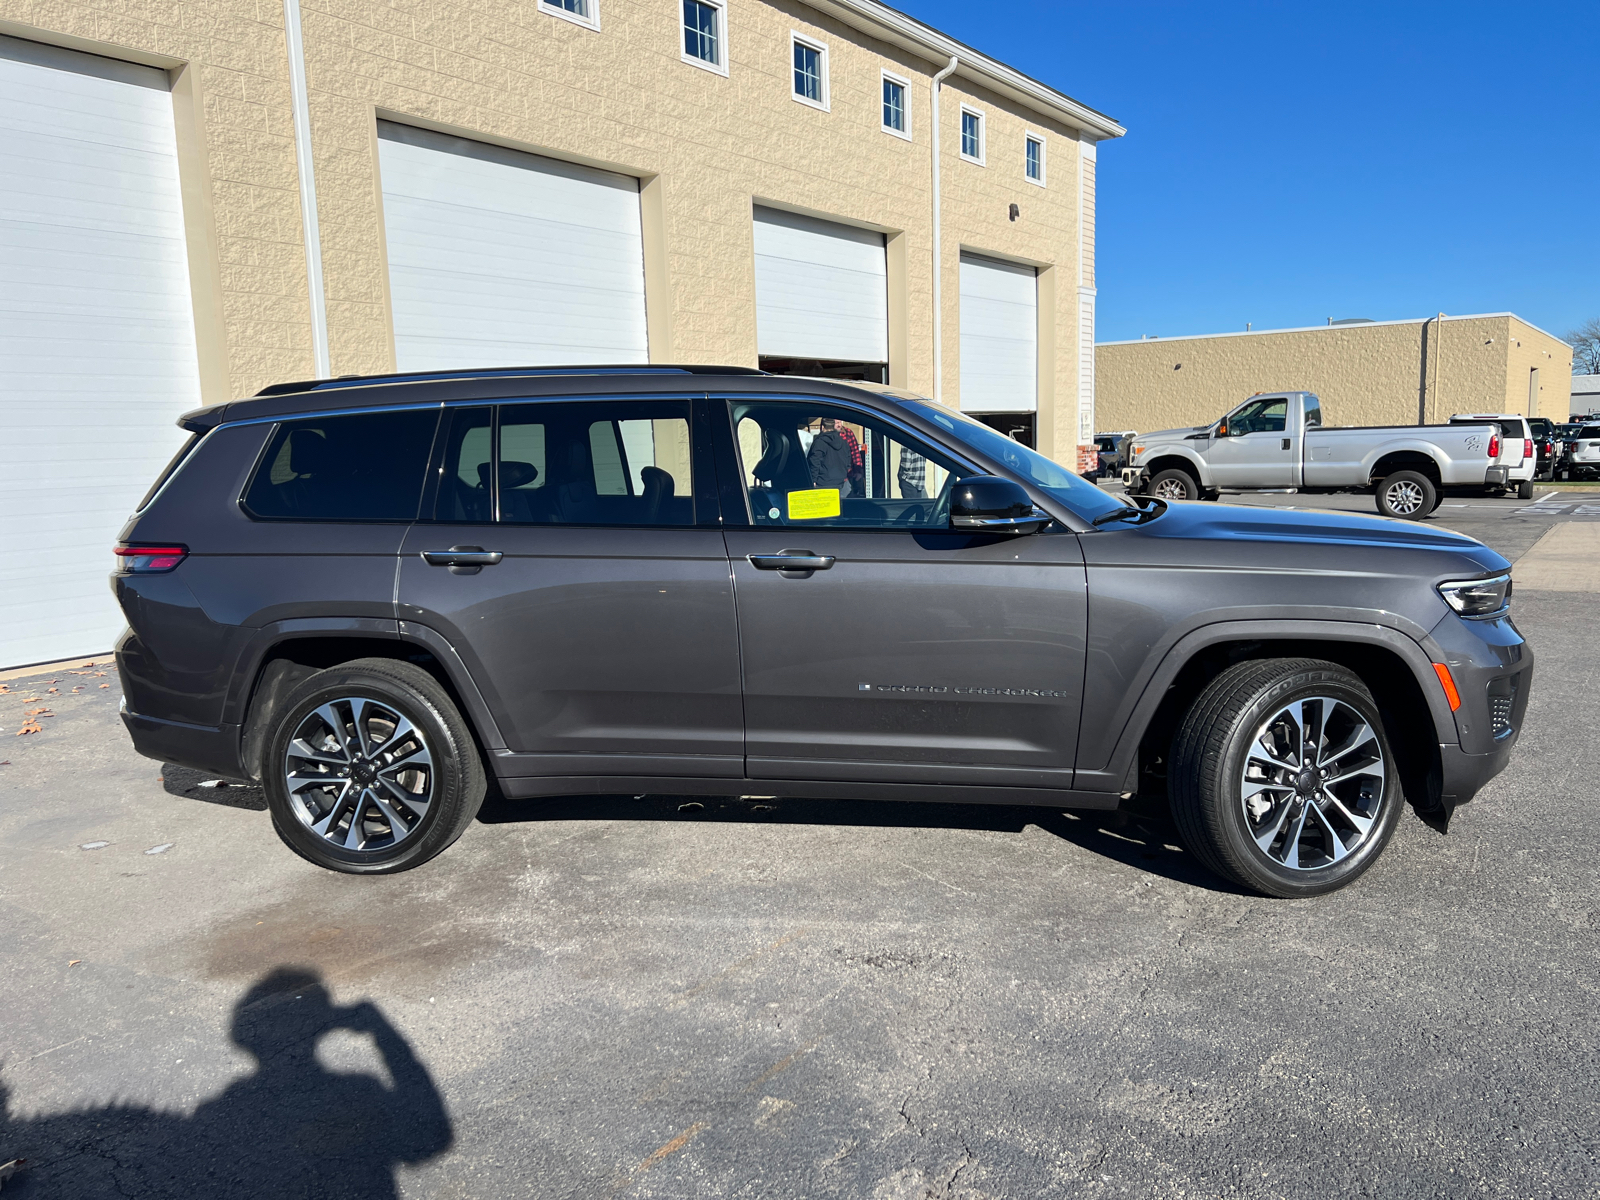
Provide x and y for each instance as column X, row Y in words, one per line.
column 201, row 197
column 1367, row 373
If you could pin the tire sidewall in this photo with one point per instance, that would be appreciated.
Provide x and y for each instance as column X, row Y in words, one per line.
column 1191, row 490
column 450, row 776
column 1261, row 871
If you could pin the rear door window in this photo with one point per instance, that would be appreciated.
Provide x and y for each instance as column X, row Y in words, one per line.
column 624, row 462
column 356, row 467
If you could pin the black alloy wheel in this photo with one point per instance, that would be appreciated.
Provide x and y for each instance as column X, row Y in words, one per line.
column 1282, row 778
column 370, row 768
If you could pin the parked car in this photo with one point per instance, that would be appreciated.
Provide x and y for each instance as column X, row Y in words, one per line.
column 1277, row 442
column 1109, row 454
column 376, row 595
column 1547, row 446
column 1582, row 460
column 1517, row 451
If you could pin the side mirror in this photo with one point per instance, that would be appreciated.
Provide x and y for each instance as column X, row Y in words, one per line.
column 1222, row 429
column 990, row 504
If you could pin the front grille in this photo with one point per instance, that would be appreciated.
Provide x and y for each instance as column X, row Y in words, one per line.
column 1502, row 699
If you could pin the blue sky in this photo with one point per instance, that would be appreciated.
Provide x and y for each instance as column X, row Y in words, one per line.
column 1287, row 163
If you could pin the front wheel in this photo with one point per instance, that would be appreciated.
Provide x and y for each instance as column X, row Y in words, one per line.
column 1175, row 484
column 1407, row 495
column 370, row 769
column 1282, row 778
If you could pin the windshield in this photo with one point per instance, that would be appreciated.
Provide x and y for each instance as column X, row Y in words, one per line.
column 1077, row 494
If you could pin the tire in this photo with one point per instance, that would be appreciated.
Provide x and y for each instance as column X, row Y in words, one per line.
column 439, row 771
column 1407, row 496
column 1178, row 485
column 1525, row 490
column 1220, row 763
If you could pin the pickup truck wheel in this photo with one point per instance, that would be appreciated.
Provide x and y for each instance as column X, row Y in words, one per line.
column 1407, row 495
column 1282, row 778
column 1175, row 484
column 369, row 768
column 1525, row 490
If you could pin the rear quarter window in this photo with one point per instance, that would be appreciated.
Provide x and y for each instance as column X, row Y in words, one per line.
column 357, row 467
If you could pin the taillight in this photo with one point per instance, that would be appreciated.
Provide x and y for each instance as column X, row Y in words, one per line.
column 1527, row 447
column 149, row 560
column 1494, row 445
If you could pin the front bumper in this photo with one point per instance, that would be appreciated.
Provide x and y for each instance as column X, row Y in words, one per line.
column 1133, row 478
column 1493, row 671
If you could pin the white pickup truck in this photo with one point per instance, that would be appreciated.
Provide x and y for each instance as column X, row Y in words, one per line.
column 1277, row 442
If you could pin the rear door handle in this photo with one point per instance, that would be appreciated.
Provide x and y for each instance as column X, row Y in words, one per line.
column 791, row 560
column 462, row 560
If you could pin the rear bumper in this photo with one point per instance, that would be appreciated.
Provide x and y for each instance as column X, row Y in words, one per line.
column 213, row 750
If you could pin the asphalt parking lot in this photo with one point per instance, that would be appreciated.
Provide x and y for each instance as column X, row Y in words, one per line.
column 622, row 997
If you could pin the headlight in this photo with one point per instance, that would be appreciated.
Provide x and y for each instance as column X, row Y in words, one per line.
column 1478, row 599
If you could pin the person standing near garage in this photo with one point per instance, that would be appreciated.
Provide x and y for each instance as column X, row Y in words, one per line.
column 829, row 459
column 857, row 474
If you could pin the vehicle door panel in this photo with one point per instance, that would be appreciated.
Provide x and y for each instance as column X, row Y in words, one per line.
column 600, row 649
column 919, row 654
column 1258, row 451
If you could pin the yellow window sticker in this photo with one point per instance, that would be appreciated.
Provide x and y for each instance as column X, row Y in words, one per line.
column 809, row 506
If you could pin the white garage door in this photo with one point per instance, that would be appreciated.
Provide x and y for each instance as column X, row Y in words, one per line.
column 999, row 336
column 97, row 351
column 499, row 259
column 822, row 289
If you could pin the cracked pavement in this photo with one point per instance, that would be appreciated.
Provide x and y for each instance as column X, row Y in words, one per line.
column 611, row 997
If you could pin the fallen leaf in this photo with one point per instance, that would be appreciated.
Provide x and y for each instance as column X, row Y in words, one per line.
column 100, row 673
column 29, row 699
column 77, row 689
column 52, row 691
column 30, row 727
column 74, row 962
column 4, row 688
column 38, row 712
column 105, row 685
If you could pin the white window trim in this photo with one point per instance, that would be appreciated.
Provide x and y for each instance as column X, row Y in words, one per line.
column 983, row 137
column 716, row 68
column 1044, row 158
column 905, row 104
column 822, row 48
column 592, row 21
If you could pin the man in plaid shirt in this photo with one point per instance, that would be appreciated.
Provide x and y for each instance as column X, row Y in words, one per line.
column 857, row 474
column 913, row 474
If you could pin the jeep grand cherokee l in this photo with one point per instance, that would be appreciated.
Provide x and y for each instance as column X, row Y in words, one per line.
column 370, row 594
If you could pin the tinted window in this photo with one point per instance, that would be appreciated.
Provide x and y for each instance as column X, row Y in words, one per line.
column 1313, row 412
column 361, row 467
column 605, row 463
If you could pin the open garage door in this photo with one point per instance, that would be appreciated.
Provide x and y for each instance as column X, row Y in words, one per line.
column 97, row 344
column 822, row 297
column 999, row 336
column 499, row 258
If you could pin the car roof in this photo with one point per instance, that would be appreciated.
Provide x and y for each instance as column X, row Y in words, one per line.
column 491, row 384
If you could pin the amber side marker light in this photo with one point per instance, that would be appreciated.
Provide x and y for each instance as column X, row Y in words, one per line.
column 1450, row 693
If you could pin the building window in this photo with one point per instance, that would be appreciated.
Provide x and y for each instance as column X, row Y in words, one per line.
column 1034, row 159
column 896, row 106
column 704, row 35
column 580, row 12
column 972, row 135
column 810, row 71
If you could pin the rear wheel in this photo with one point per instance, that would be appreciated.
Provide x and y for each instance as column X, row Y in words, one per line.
column 1407, row 495
column 1282, row 778
column 1525, row 490
column 1175, row 484
column 370, row 769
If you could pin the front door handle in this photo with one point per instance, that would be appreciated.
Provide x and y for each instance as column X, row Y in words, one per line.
column 462, row 560
column 791, row 560
column 1285, row 443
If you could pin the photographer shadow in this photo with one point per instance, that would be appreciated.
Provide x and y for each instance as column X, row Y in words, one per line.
column 290, row 1128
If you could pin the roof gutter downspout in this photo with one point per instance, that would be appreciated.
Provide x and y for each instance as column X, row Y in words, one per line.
column 938, row 289
column 301, row 106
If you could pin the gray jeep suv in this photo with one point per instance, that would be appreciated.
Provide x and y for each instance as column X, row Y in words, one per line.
column 372, row 595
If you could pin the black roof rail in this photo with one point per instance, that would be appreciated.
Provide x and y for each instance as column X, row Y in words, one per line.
column 344, row 381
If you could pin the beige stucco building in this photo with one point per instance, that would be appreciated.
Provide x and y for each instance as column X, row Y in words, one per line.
column 1367, row 373
column 203, row 197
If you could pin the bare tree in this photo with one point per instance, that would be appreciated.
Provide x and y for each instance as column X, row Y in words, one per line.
column 1585, row 342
